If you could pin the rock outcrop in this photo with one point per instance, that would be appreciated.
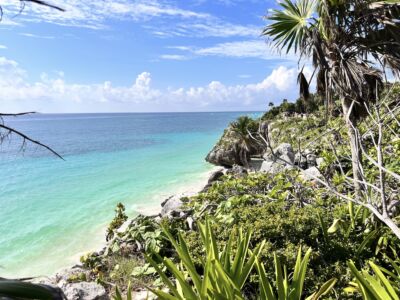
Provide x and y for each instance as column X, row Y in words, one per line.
column 171, row 206
column 85, row 291
column 226, row 152
column 285, row 158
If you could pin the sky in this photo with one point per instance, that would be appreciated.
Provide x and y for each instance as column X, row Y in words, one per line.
column 141, row 56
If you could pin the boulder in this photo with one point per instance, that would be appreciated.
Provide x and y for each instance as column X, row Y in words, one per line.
column 284, row 152
column 215, row 176
column 85, row 291
column 225, row 156
column 63, row 276
column 143, row 295
column 226, row 152
column 171, row 206
column 269, row 166
column 311, row 173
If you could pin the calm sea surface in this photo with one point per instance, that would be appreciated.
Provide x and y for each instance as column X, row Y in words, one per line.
column 52, row 211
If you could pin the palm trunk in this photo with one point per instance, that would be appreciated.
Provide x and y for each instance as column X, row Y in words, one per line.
column 244, row 159
column 356, row 158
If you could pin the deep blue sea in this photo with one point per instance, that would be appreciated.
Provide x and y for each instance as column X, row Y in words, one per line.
column 52, row 211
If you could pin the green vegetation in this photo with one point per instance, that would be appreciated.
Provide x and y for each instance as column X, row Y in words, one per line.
column 339, row 230
column 281, row 219
column 340, row 38
column 244, row 126
column 225, row 274
column 119, row 219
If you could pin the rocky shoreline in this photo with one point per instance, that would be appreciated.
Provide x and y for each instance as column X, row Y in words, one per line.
column 73, row 281
column 90, row 290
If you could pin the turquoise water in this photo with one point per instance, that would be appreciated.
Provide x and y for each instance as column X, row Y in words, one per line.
column 52, row 211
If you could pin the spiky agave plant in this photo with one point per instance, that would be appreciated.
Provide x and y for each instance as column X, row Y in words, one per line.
column 382, row 285
column 225, row 273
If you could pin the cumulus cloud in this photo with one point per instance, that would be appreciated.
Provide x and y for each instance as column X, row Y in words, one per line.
column 56, row 94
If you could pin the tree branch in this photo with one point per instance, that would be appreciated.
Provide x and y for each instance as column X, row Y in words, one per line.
column 27, row 138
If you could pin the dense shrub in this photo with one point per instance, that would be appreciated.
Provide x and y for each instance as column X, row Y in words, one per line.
column 274, row 211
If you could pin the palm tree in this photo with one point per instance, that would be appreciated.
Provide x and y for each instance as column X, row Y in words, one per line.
column 242, row 126
column 351, row 45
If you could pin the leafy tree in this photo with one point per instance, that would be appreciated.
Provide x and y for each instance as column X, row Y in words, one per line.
column 351, row 44
column 242, row 126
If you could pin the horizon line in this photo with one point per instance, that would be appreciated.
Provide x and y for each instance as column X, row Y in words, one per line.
column 148, row 112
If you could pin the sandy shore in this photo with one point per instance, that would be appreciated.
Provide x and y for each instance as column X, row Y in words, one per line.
column 153, row 208
column 183, row 190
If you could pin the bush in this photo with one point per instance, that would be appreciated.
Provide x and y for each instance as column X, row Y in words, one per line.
column 287, row 213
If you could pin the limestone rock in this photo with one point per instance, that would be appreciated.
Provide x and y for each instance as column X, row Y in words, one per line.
column 143, row 295
column 274, row 167
column 171, row 205
column 311, row 173
column 226, row 152
column 85, row 291
column 284, row 152
column 223, row 156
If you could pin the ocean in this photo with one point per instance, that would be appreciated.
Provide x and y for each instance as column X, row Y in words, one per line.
column 52, row 211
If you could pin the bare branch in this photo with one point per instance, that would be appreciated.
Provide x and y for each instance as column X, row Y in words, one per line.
column 17, row 114
column 27, row 138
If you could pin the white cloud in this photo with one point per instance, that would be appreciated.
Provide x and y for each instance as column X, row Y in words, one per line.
column 173, row 21
column 47, row 37
column 3, row 47
column 208, row 27
column 239, row 49
column 93, row 14
column 173, row 57
column 55, row 94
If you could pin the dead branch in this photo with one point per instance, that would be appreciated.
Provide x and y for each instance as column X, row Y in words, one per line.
column 27, row 138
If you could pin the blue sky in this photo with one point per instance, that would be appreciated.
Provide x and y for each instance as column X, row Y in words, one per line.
column 154, row 55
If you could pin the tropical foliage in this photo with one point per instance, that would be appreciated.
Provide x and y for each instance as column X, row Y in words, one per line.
column 351, row 45
column 243, row 127
column 225, row 274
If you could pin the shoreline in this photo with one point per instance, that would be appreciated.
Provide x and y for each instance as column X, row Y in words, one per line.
column 192, row 189
column 153, row 209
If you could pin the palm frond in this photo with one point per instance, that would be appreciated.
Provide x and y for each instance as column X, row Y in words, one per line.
column 290, row 25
